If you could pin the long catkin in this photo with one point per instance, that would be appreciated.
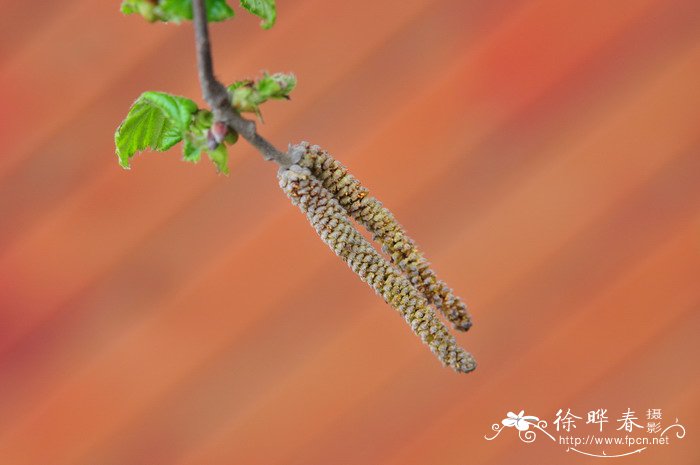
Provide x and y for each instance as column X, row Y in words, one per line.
column 333, row 225
column 379, row 221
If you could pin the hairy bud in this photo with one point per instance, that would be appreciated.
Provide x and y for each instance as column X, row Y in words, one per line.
column 219, row 130
column 369, row 212
column 331, row 222
column 212, row 143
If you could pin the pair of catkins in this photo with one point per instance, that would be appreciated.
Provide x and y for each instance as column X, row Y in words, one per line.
column 330, row 196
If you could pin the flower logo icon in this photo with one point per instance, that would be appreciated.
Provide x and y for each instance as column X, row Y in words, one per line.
column 520, row 421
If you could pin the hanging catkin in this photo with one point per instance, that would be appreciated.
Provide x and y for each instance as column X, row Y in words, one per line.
column 331, row 222
column 379, row 221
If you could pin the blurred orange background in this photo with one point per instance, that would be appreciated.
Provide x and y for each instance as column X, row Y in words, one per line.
column 544, row 155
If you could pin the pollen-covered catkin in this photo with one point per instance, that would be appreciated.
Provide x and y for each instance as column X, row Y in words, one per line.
column 331, row 222
column 369, row 212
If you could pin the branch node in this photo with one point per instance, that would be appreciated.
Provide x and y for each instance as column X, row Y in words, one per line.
column 217, row 97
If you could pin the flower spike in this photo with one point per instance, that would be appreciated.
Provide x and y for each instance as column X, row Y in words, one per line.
column 333, row 225
column 379, row 221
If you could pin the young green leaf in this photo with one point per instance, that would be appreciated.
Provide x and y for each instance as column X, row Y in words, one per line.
column 248, row 95
column 178, row 10
column 277, row 86
column 264, row 9
column 191, row 149
column 145, row 8
column 175, row 11
column 157, row 121
column 219, row 156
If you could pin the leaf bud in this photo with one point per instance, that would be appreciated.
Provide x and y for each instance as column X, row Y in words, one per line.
column 219, row 130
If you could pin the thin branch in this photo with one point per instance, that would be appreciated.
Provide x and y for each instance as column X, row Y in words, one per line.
column 217, row 97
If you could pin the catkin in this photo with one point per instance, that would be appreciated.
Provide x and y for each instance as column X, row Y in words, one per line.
column 334, row 227
column 379, row 221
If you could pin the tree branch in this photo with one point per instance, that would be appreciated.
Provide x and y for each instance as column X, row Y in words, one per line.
column 217, row 97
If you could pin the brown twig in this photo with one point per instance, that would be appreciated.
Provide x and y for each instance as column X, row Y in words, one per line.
column 217, row 97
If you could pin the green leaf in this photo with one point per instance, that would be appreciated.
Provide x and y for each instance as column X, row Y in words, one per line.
column 176, row 11
column 264, row 9
column 203, row 119
column 218, row 10
column 244, row 96
column 142, row 7
column 157, row 121
column 278, row 85
column 247, row 95
column 191, row 150
column 219, row 156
